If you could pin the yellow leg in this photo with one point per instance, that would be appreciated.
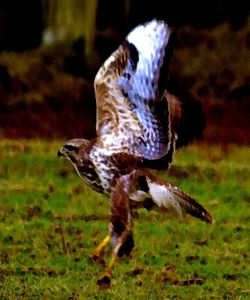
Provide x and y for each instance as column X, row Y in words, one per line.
column 113, row 257
column 105, row 279
column 97, row 254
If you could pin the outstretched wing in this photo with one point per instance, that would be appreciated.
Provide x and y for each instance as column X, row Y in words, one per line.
column 131, row 114
column 153, row 193
column 172, row 199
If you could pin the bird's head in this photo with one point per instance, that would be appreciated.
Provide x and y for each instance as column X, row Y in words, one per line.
column 77, row 152
column 73, row 150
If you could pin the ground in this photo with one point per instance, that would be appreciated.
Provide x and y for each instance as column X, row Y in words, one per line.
column 50, row 222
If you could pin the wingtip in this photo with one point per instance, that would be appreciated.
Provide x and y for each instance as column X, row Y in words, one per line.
column 207, row 217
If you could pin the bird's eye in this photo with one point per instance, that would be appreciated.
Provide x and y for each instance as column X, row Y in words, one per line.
column 71, row 148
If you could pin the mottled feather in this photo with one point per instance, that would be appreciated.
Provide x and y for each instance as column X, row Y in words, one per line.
column 132, row 116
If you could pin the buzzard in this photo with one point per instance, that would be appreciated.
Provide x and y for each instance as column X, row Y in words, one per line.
column 139, row 124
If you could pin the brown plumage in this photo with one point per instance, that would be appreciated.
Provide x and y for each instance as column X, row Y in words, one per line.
column 138, row 123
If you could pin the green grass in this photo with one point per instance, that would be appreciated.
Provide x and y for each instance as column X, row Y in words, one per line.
column 41, row 196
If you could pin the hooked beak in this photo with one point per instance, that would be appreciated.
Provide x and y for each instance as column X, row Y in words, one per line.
column 60, row 152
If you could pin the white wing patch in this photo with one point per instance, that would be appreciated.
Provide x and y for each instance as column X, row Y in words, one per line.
column 150, row 41
column 164, row 198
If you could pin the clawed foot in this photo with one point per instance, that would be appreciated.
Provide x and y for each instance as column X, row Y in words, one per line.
column 105, row 280
column 97, row 258
column 97, row 255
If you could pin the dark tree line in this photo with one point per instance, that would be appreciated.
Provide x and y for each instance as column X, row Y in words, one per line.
column 23, row 24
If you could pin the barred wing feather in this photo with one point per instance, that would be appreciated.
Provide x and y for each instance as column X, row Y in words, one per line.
column 131, row 113
column 172, row 199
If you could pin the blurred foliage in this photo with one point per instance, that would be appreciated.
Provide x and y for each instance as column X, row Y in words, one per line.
column 213, row 62
column 71, row 20
column 49, row 91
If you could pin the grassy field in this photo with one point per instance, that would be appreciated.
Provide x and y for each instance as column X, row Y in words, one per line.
column 50, row 222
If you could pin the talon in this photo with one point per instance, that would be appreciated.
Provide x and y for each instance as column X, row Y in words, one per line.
column 97, row 255
column 105, row 280
column 97, row 258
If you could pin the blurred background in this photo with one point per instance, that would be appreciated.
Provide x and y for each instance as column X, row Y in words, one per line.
column 50, row 51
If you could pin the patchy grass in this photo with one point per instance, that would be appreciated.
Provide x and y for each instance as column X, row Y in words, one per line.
column 44, row 202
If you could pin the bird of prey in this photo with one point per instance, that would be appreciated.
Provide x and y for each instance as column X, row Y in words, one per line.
column 139, row 125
